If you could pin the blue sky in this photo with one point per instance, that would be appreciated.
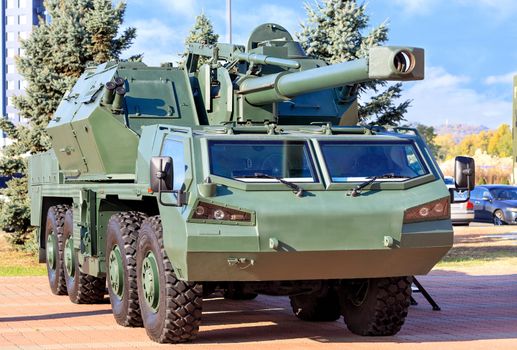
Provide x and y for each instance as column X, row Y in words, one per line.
column 471, row 50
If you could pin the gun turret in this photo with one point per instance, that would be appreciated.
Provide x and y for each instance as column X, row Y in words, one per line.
column 273, row 80
column 383, row 63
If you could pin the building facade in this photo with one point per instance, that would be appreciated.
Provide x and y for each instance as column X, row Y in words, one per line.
column 17, row 19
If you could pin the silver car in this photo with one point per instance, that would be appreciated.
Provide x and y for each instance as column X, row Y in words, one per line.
column 461, row 213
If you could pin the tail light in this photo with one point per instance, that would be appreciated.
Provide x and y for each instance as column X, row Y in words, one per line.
column 435, row 210
column 212, row 212
column 470, row 205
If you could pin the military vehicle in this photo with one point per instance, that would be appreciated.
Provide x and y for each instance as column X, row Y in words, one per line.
column 244, row 175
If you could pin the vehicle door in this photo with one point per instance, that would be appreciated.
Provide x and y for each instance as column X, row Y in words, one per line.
column 486, row 205
column 476, row 199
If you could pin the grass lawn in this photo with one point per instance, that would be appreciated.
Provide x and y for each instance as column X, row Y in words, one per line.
column 15, row 263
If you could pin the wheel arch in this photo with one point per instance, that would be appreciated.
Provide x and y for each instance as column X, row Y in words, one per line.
column 46, row 204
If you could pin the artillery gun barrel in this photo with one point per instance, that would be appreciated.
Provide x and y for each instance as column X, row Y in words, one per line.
column 263, row 59
column 383, row 63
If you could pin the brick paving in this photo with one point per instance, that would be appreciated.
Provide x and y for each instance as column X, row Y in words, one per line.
column 478, row 312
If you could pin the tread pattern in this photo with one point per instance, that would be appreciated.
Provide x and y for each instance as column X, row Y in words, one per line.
column 85, row 289
column 59, row 213
column 90, row 290
column 391, row 306
column 129, row 223
column 184, row 299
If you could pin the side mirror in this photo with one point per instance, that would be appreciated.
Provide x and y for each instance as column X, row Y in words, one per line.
column 486, row 198
column 465, row 173
column 162, row 174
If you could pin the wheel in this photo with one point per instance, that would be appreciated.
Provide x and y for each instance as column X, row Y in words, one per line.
column 54, row 248
column 499, row 218
column 171, row 308
column 82, row 288
column 235, row 291
column 315, row 307
column 377, row 306
column 121, row 241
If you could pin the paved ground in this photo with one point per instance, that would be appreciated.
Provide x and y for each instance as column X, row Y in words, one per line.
column 478, row 312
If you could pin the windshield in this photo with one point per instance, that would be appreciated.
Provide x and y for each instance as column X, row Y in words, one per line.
column 247, row 160
column 355, row 160
column 509, row 193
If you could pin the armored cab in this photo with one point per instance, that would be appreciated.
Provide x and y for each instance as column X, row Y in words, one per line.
column 246, row 174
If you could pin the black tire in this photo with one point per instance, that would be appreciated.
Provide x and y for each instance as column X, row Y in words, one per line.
column 376, row 307
column 177, row 314
column 56, row 274
column 235, row 291
column 316, row 307
column 82, row 288
column 499, row 218
column 122, row 232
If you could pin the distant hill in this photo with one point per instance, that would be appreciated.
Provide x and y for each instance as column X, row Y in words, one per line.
column 459, row 131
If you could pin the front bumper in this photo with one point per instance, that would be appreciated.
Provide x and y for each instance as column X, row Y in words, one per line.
column 420, row 247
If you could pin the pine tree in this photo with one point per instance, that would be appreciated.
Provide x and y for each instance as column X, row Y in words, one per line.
column 334, row 32
column 55, row 55
column 202, row 32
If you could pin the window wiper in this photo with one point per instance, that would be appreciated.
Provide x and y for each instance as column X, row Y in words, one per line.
column 297, row 190
column 356, row 191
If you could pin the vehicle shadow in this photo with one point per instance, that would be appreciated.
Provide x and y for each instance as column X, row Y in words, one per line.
column 473, row 308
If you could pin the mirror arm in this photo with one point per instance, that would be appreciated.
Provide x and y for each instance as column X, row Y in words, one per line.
column 180, row 194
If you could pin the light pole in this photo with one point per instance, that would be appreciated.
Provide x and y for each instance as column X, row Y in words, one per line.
column 229, row 20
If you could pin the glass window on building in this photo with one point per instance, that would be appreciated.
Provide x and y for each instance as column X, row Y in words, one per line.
column 23, row 84
column 24, row 35
column 11, row 69
column 22, row 4
column 10, row 85
column 22, row 20
column 11, row 36
column 11, row 4
column 11, row 52
column 11, row 20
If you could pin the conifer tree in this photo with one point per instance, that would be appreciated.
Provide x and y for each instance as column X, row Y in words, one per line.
column 202, row 32
column 335, row 32
column 55, row 55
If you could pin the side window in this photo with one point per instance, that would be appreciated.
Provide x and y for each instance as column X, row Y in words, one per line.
column 176, row 150
column 476, row 193
column 413, row 161
column 486, row 194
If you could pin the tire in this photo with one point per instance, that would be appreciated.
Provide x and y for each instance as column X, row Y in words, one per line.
column 498, row 218
column 316, row 308
column 171, row 308
column 235, row 292
column 54, row 248
column 82, row 288
column 121, row 241
column 376, row 307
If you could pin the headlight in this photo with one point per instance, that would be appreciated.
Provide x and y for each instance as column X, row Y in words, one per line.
column 218, row 213
column 435, row 210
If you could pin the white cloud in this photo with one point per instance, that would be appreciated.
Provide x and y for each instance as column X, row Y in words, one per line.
column 175, row 7
column 497, row 9
column 157, row 41
column 417, row 7
column 443, row 96
column 500, row 79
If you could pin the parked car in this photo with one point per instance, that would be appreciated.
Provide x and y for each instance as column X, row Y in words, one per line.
column 461, row 213
column 495, row 203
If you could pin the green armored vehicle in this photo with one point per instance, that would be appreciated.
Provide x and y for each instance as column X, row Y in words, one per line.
column 245, row 175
